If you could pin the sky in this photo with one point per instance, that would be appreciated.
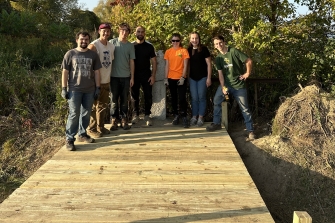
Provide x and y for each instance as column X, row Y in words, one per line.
column 90, row 4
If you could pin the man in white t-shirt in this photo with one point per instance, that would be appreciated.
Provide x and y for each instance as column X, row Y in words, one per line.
column 105, row 51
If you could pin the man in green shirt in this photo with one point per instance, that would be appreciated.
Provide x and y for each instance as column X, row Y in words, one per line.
column 234, row 68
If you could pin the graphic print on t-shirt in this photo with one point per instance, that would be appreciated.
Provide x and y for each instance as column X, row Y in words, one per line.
column 106, row 60
column 228, row 65
column 82, row 66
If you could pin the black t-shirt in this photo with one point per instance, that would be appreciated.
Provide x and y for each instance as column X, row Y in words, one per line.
column 143, row 52
column 198, row 65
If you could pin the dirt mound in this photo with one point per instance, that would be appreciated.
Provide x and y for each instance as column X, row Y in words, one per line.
column 309, row 115
column 306, row 122
column 294, row 168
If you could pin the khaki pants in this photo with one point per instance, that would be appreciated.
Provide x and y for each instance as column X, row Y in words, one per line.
column 97, row 120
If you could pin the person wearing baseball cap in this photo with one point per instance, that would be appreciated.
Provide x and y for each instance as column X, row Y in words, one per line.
column 105, row 51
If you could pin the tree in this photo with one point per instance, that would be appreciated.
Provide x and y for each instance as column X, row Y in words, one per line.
column 268, row 31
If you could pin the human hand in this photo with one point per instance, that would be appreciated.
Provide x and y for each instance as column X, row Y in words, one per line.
column 65, row 93
column 151, row 80
column 166, row 82
column 208, row 82
column 224, row 90
column 181, row 81
column 244, row 76
column 131, row 82
column 96, row 93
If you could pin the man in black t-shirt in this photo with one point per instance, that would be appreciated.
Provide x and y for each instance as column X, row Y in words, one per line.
column 145, row 72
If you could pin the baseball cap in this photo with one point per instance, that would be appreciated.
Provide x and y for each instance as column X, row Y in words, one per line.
column 104, row 26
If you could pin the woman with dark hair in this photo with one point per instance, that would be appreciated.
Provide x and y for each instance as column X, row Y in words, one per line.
column 175, row 77
column 200, row 72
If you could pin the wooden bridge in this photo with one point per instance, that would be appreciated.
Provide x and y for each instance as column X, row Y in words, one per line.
column 149, row 174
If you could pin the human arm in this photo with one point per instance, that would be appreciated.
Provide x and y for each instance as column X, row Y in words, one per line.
column 65, row 77
column 97, row 84
column 248, row 65
column 166, row 72
column 221, row 79
column 132, row 69
column 209, row 71
column 184, row 75
column 153, row 71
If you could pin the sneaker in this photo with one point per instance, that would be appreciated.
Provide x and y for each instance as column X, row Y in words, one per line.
column 193, row 121
column 185, row 122
column 148, row 120
column 213, row 127
column 70, row 145
column 85, row 138
column 95, row 134
column 114, row 124
column 251, row 136
column 105, row 131
column 200, row 122
column 124, row 124
column 175, row 120
column 135, row 119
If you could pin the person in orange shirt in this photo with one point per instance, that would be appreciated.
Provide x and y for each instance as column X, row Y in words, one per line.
column 175, row 77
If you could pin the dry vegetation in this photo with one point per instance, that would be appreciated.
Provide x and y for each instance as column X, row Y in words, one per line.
column 24, row 149
column 294, row 167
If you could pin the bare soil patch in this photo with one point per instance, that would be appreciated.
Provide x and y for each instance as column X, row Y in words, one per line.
column 293, row 167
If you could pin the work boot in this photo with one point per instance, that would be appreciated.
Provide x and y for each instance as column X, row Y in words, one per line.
column 213, row 127
column 85, row 138
column 114, row 124
column 105, row 131
column 95, row 134
column 175, row 120
column 70, row 145
column 124, row 124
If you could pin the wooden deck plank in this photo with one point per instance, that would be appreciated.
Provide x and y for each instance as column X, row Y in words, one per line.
column 152, row 175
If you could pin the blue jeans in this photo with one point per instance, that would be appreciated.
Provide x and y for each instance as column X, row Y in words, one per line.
column 241, row 97
column 198, row 93
column 80, row 107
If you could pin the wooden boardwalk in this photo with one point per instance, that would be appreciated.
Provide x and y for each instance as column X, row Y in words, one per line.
column 153, row 174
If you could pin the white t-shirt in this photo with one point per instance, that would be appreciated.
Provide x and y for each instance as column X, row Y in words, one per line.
column 106, row 54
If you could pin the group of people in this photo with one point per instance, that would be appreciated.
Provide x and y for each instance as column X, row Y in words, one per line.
column 93, row 70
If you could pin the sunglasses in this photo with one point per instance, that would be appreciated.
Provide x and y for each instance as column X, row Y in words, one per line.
column 175, row 40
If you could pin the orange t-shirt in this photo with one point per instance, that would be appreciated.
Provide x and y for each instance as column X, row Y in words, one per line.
column 176, row 59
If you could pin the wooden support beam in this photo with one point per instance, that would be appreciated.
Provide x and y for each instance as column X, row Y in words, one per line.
column 301, row 217
column 224, row 118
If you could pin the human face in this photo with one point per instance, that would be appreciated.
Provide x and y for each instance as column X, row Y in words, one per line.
column 140, row 33
column 83, row 41
column 104, row 33
column 219, row 44
column 175, row 41
column 194, row 40
column 123, row 32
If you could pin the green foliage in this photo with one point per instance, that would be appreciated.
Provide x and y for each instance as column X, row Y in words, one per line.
column 18, row 24
column 294, row 50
